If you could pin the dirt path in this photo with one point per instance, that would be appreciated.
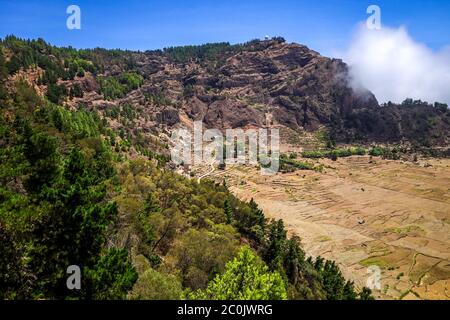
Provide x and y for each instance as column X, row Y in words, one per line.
column 208, row 173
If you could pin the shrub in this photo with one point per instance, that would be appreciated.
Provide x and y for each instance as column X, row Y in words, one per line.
column 335, row 153
column 289, row 165
column 154, row 285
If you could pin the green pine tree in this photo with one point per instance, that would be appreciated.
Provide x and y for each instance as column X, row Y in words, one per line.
column 228, row 211
column 245, row 278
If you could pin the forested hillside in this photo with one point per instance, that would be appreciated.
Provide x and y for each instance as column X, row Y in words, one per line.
column 76, row 188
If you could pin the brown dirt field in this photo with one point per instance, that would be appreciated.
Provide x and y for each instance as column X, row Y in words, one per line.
column 361, row 211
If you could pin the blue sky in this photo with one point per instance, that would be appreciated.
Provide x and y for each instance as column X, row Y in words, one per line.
column 326, row 26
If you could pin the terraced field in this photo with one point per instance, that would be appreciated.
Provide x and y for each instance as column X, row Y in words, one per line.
column 365, row 212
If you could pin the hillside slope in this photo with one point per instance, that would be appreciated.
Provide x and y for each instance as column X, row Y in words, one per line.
column 83, row 182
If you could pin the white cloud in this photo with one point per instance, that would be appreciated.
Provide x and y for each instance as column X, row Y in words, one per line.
column 394, row 66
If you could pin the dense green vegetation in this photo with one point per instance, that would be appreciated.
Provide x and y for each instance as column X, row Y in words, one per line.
column 392, row 153
column 114, row 87
column 211, row 51
column 422, row 124
column 335, row 153
column 397, row 152
column 206, row 51
column 289, row 164
column 53, row 208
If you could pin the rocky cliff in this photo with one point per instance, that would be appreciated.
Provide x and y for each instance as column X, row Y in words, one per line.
column 256, row 84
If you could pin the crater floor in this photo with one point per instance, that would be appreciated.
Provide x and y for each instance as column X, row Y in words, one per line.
column 363, row 211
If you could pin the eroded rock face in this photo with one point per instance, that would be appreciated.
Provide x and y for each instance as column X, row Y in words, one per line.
column 89, row 84
column 232, row 114
column 168, row 116
column 300, row 88
column 290, row 84
column 296, row 86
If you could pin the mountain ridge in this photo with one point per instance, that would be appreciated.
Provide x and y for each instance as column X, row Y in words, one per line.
column 261, row 83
